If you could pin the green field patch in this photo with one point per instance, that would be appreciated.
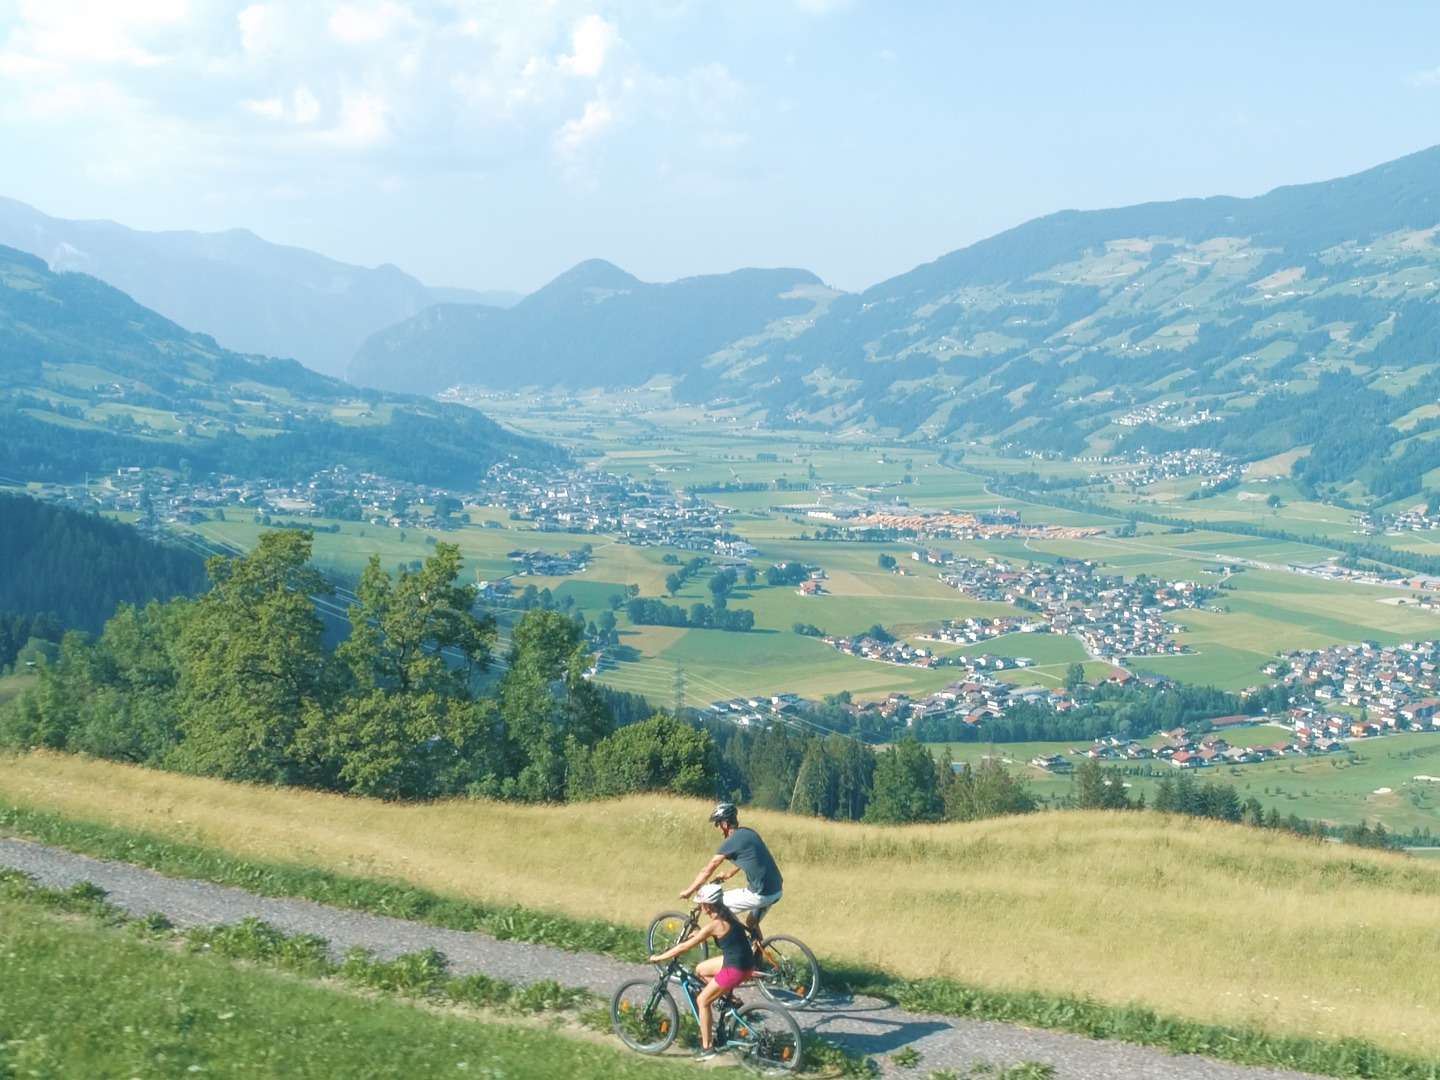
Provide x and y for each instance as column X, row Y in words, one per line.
column 589, row 596
column 1211, row 665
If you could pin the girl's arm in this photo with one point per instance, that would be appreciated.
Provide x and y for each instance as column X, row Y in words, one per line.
column 707, row 931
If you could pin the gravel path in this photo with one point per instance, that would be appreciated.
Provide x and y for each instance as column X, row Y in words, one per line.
column 861, row 1025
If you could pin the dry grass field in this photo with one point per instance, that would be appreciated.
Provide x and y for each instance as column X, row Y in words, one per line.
column 1195, row 919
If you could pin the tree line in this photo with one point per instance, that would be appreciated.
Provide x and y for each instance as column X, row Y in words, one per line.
column 78, row 567
column 645, row 611
column 1127, row 712
column 239, row 684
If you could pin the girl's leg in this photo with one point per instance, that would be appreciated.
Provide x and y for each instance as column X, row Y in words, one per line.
column 707, row 970
column 702, row 1006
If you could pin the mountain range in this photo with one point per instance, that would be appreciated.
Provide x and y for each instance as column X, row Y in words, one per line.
column 1303, row 319
column 91, row 380
column 594, row 325
column 1232, row 323
column 252, row 296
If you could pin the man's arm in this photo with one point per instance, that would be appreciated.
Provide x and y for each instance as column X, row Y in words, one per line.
column 704, row 876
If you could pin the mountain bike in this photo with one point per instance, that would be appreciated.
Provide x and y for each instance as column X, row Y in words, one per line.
column 786, row 971
column 763, row 1034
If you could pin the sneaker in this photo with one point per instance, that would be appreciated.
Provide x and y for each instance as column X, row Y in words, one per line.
column 705, row 1055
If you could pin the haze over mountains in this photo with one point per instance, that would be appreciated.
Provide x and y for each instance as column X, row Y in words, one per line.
column 1257, row 315
column 1261, row 316
column 594, row 325
column 90, row 380
column 1210, row 294
column 252, row 296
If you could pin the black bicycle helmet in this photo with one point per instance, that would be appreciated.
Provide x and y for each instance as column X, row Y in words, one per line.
column 724, row 811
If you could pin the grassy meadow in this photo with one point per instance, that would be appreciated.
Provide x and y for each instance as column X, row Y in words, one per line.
column 84, row 1000
column 1192, row 918
column 1374, row 780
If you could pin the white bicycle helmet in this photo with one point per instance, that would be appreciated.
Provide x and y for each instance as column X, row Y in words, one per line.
column 709, row 893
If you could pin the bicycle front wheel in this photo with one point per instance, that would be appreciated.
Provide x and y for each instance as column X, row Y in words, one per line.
column 767, row 1038
column 668, row 929
column 788, row 974
column 644, row 1015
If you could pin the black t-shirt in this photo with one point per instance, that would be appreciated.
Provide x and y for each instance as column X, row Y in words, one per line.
column 746, row 850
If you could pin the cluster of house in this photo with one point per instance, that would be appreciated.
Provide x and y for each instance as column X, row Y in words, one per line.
column 549, row 563
column 867, row 647
column 1112, row 617
column 161, row 497
column 1394, row 688
column 1331, row 570
column 1224, row 744
column 1138, row 470
column 1168, row 413
column 1416, row 519
column 974, row 699
column 643, row 512
column 947, row 525
column 972, row 631
column 748, row 711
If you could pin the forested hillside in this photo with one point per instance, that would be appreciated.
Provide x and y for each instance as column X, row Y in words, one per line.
column 72, row 570
column 1074, row 315
column 91, row 380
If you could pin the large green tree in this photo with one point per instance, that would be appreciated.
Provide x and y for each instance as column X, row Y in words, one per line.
column 409, row 727
column 658, row 754
column 253, row 665
column 547, row 703
column 907, row 786
column 985, row 790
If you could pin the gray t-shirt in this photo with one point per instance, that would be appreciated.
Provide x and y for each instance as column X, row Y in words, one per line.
column 746, row 850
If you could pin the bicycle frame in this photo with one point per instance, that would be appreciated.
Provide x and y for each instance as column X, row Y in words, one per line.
column 690, row 987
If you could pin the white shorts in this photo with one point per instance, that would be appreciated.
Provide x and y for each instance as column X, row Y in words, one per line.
column 743, row 901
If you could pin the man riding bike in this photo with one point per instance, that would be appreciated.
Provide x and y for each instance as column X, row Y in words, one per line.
column 748, row 852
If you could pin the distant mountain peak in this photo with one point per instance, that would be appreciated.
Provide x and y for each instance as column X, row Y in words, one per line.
column 594, row 274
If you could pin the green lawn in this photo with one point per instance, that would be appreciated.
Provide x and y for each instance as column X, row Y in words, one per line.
column 85, row 1001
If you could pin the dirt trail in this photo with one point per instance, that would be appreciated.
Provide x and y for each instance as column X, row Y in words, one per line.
column 861, row 1025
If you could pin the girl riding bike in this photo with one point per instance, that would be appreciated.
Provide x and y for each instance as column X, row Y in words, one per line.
column 722, row 973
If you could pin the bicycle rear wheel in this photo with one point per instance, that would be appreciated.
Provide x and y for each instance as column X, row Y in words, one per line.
column 668, row 929
column 767, row 1038
column 788, row 974
column 644, row 1015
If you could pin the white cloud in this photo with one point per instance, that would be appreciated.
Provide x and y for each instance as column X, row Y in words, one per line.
column 253, row 92
column 269, row 108
column 1426, row 78
column 590, row 41
column 357, row 25
column 261, row 28
column 364, row 121
column 596, row 120
column 304, row 106
column 51, row 32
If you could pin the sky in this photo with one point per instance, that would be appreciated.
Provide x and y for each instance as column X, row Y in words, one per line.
column 495, row 143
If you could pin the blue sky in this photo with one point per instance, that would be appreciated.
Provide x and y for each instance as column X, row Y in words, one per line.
column 494, row 143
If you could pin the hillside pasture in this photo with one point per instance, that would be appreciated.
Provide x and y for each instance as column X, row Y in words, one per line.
column 1286, row 935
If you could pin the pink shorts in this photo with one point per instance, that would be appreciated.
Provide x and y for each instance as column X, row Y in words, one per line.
column 729, row 978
